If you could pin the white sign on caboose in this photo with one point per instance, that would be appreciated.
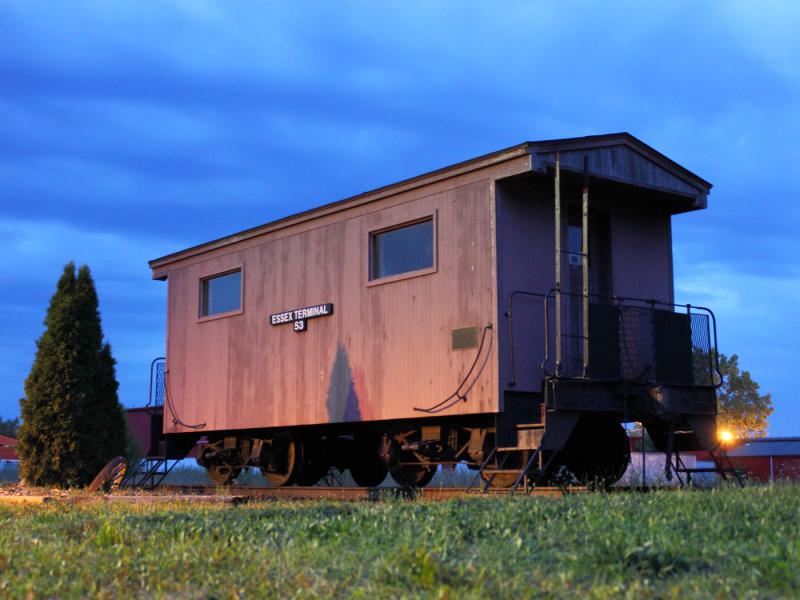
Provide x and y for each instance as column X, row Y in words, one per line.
column 300, row 315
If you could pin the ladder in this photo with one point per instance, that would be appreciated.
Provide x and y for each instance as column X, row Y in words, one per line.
column 149, row 472
column 723, row 471
column 525, row 475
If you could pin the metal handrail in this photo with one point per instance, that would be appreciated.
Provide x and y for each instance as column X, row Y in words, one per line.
column 618, row 301
column 152, row 371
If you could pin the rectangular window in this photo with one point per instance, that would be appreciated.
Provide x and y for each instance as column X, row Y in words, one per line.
column 221, row 294
column 403, row 249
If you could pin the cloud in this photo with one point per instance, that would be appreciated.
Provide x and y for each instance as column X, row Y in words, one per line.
column 132, row 306
column 756, row 319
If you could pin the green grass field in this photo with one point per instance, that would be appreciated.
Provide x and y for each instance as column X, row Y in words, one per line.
column 717, row 544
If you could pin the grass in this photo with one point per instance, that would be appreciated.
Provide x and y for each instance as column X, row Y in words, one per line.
column 717, row 544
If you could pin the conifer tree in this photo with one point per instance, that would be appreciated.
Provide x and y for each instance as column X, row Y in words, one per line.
column 72, row 420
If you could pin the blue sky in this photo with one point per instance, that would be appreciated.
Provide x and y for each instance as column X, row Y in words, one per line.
column 129, row 131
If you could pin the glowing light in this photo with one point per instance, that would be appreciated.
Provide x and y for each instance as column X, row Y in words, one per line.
column 725, row 436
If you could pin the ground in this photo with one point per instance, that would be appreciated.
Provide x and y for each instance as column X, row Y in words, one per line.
column 713, row 543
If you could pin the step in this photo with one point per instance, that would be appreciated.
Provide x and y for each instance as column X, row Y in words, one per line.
column 498, row 471
column 707, row 470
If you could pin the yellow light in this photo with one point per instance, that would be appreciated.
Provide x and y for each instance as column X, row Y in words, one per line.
column 725, row 436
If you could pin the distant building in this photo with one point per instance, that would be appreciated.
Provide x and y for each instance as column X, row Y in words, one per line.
column 7, row 448
column 762, row 459
column 768, row 459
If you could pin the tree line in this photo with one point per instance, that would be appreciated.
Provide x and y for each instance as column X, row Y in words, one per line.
column 8, row 427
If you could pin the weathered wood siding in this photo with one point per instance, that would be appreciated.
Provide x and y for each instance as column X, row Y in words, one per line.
column 642, row 254
column 626, row 160
column 386, row 349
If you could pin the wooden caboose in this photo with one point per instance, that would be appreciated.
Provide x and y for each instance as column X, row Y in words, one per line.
column 510, row 312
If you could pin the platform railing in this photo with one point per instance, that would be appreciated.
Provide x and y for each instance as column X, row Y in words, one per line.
column 649, row 346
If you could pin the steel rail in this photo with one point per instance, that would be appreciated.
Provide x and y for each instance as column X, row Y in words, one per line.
column 357, row 494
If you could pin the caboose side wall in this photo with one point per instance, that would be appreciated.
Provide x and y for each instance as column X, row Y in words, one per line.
column 385, row 350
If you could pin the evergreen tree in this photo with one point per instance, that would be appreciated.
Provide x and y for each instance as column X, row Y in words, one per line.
column 72, row 421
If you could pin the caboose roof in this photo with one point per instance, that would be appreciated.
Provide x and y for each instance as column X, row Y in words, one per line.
column 614, row 157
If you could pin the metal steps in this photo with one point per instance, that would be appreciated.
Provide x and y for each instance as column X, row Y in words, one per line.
column 704, row 470
column 723, row 471
column 527, row 476
column 149, row 472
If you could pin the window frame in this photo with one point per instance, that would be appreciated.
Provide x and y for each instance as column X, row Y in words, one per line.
column 230, row 313
column 372, row 233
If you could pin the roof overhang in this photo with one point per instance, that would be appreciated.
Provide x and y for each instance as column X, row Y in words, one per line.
column 622, row 158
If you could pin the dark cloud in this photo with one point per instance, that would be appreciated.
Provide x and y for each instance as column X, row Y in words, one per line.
column 128, row 131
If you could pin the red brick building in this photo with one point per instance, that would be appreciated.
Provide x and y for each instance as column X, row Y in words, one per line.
column 7, row 448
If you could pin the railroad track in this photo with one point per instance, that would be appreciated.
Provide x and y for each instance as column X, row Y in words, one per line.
column 349, row 493
column 239, row 494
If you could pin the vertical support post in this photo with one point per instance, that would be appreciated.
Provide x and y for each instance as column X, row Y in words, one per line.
column 644, row 459
column 670, row 445
column 557, row 211
column 585, row 264
column 654, row 374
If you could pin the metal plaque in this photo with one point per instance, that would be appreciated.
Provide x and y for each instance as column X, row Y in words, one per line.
column 465, row 338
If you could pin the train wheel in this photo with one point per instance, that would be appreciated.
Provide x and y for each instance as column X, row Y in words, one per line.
column 368, row 473
column 597, row 452
column 366, row 466
column 285, row 460
column 222, row 474
column 111, row 475
column 412, row 475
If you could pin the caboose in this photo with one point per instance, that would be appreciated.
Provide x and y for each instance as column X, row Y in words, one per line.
column 511, row 312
